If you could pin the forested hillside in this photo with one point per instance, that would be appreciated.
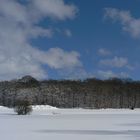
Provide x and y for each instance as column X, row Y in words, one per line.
column 90, row 93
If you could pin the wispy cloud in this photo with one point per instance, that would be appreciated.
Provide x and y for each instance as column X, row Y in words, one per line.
column 58, row 58
column 67, row 32
column 115, row 62
column 104, row 52
column 129, row 23
column 55, row 9
column 75, row 73
column 111, row 74
column 19, row 24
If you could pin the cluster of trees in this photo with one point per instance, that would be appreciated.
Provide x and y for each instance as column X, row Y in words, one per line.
column 23, row 107
column 89, row 93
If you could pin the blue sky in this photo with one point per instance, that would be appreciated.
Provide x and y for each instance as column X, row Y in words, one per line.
column 57, row 39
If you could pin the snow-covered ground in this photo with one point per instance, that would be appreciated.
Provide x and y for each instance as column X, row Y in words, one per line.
column 50, row 123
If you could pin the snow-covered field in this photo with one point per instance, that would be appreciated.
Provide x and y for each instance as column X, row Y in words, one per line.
column 49, row 123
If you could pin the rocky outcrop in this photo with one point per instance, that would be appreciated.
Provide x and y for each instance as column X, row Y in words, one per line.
column 91, row 93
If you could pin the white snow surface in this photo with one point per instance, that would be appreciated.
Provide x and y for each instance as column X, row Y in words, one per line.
column 50, row 123
column 43, row 107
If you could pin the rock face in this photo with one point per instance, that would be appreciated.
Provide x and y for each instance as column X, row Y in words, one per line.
column 91, row 93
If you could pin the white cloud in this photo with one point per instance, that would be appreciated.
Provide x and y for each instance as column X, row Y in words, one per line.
column 115, row 62
column 17, row 26
column 128, row 22
column 55, row 9
column 58, row 58
column 111, row 74
column 104, row 52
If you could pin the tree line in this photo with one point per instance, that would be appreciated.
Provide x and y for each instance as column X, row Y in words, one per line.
column 89, row 93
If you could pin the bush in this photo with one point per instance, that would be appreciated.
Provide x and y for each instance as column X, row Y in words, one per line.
column 23, row 107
